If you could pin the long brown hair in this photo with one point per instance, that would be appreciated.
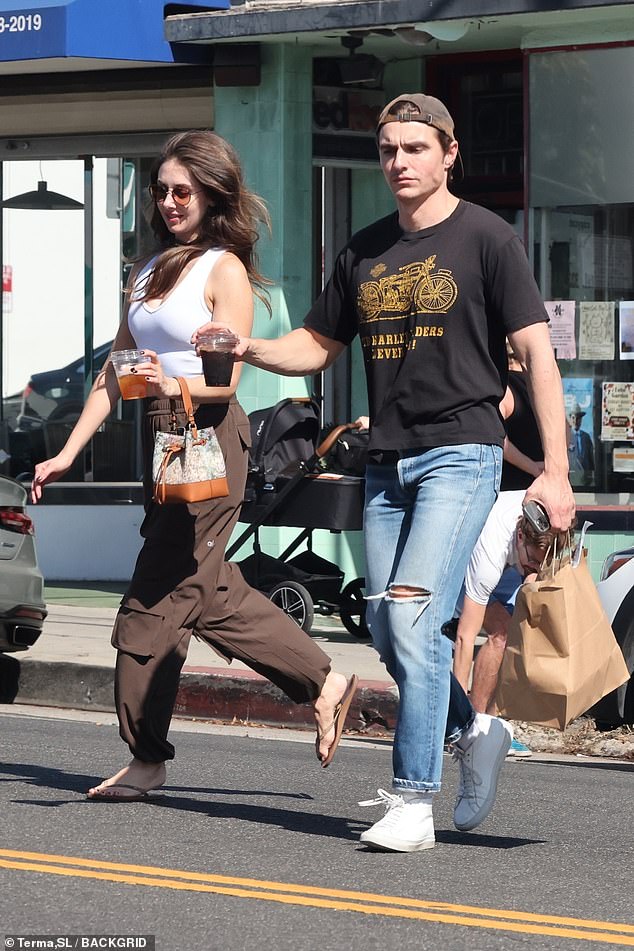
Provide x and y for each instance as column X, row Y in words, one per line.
column 231, row 221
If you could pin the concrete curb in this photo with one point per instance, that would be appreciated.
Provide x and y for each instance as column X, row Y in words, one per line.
column 205, row 693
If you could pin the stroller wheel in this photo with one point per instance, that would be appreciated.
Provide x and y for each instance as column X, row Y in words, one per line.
column 295, row 600
column 352, row 609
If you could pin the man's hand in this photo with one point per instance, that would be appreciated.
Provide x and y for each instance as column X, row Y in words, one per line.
column 212, row 327
column 555, row 494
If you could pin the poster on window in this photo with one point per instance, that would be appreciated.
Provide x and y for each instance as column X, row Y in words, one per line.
column 7, row 288
column 626, row 329
column 562, row 328
column 579, row 403
column 617, row 411
column 596, row 330
column 623, row 459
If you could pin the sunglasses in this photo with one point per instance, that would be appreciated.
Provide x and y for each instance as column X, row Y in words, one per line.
column 181, row 194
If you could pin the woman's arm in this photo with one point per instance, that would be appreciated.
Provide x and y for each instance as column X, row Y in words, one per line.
column 516, row 458
column 512, row 454
column 534, row 350
column 102, row 399
column 229, row 295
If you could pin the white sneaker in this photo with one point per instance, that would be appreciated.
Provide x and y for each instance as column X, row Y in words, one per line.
column 405, row 827
column 480, row 766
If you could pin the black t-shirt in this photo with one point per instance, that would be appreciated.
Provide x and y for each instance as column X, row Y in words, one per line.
column 521, row 428
column 432, row 309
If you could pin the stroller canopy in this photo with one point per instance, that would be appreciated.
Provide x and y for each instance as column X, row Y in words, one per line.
column 283, row 436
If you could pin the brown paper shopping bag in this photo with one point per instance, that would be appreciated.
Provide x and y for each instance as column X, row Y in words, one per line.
column 561, row 655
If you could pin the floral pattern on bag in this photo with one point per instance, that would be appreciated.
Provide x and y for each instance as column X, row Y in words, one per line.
column 192, row 458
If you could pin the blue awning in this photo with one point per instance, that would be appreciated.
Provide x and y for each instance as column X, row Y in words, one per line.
column 92, row 29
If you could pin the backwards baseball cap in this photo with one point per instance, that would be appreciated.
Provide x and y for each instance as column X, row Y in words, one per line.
column 416, row 107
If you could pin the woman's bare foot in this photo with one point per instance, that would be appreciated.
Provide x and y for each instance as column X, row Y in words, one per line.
column 131, row 783
column 331, row 708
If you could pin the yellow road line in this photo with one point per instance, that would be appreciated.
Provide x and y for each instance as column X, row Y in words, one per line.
column 318, row 897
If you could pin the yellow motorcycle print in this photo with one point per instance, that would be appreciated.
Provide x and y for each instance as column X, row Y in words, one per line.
column 415, row 283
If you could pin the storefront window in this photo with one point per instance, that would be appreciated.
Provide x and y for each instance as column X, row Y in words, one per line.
column 64, row 271
column 581, row 233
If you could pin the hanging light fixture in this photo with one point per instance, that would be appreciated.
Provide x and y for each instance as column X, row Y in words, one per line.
column 42, row 199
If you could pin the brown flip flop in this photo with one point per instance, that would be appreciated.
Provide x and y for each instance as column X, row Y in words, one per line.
column 338, row 721
column 141, row 795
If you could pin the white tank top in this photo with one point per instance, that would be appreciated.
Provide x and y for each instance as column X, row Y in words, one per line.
column 168, row 327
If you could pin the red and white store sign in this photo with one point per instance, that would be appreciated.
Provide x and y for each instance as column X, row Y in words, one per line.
column 7, row 287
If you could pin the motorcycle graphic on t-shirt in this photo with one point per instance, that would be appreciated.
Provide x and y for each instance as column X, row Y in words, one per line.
column 414, row 287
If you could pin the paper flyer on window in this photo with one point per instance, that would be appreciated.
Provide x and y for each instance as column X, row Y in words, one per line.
column 562, row 328
column 626, row 329
column 596, row 330
column 617, row 411
column 579, row 403
column 578, row 400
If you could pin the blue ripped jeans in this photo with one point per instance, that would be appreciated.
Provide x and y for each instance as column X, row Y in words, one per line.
column 423, row 515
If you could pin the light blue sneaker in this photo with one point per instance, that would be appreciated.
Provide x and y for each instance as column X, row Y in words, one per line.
column 519, row 750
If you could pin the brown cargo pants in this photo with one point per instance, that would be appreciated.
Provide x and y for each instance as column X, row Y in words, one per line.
column 183, row 586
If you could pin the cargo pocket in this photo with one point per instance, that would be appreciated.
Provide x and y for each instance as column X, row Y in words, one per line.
column 136, row 631
column 244, row 432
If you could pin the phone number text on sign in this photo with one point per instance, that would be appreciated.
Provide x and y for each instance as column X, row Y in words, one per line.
column 21, row 23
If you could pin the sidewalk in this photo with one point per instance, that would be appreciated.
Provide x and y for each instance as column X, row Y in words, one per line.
column 72, row 666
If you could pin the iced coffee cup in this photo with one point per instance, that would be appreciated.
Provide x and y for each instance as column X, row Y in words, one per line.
column 216, row 353
column 132, row 384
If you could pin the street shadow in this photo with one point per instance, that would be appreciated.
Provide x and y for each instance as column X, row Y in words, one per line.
column 308, row 823
column 304, row 822
column 52, row 778
column 473, row 840
column 616, row 767
column 218, row 791
column 481, row 840
column 45, row 776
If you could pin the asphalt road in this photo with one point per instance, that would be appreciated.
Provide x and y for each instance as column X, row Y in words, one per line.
column 253, row 845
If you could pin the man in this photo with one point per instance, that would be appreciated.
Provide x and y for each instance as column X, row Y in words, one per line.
column 431, row 290
column 580, row 449
column 508, row 552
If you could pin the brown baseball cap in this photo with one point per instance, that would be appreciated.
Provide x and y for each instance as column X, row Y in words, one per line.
column 416, row 107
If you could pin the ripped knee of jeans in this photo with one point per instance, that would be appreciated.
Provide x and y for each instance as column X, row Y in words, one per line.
column 407, row 593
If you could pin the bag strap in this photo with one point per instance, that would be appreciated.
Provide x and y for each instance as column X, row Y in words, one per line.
column 187, row 403
column 553, row 555
column 159, row 482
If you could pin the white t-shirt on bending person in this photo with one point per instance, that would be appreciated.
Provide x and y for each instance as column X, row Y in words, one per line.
column 495, row 549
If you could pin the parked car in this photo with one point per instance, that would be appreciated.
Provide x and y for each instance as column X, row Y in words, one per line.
column 616, row 590
column 22, row 607
column 11, row 408
column 57, row 395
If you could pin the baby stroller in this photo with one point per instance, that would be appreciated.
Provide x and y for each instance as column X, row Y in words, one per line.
column 287, row 486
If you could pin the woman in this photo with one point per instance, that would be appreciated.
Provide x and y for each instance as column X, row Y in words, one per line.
column 205, row 222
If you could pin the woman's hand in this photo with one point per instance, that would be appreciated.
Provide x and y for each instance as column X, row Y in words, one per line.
column 158, row 385
column 49, row 471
